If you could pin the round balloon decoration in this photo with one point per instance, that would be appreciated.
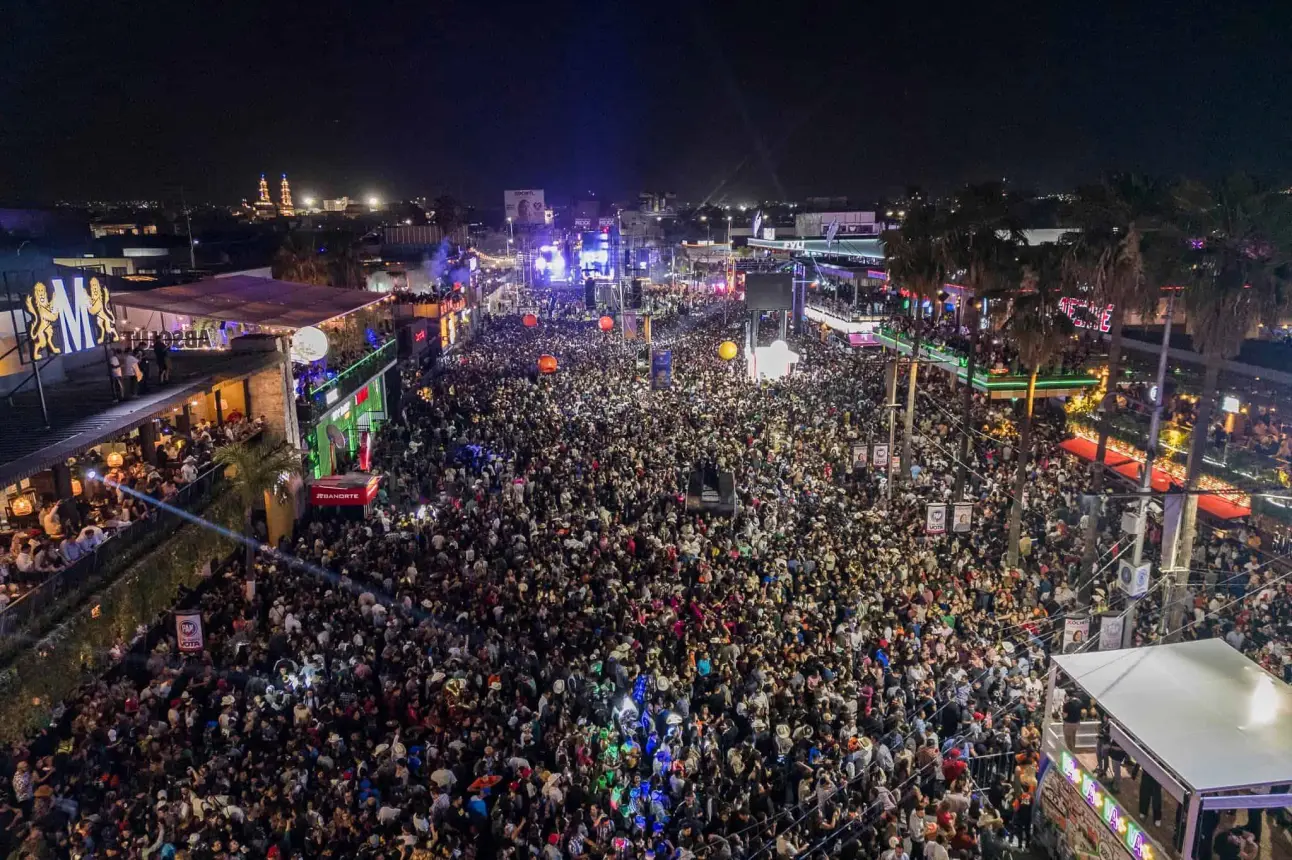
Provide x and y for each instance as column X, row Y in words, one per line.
column 309, row 344
column 727, row 350
column 547, row 364
column 606, row 323
column 530, row 320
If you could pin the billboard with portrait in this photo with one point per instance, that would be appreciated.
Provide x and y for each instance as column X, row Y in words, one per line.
column 525, row 206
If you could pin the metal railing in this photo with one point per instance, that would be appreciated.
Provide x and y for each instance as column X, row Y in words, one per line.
column 111, row 557
column 346, row 382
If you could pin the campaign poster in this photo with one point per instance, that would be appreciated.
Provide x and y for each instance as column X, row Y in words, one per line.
column 525, row 206
column 1111, row 628
column 935, row 519
column 1075, row 633
column 881, row 456
column 661, row 369
column 859, row 456
column 188, row 631
column 962, row 517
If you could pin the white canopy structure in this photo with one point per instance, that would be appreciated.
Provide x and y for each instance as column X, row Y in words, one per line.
column 1213, row 728
column 1212, row 717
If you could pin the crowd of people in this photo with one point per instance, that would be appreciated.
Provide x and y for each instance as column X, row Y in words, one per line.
column 64, row 530
column 530, row 648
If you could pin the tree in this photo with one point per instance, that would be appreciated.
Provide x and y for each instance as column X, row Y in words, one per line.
column 297, row 261
column 449, row 215
column 1040, row 332
column 1107, row 260
column 257, row 472
column 1241, row 236
column 981, row 244
column 916, row 263
column 345, row 269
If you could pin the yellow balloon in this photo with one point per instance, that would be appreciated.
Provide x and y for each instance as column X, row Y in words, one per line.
column 727, row 350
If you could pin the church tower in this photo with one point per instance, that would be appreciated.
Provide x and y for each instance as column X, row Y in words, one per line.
column 264, row 207
column 285, row 207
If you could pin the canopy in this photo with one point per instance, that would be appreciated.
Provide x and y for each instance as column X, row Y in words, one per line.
column 1206, row 712
column 255, row 301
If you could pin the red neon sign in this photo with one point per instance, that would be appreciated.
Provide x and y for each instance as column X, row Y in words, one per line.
column 419, row 336
column 1085, row 315
column 361, row 395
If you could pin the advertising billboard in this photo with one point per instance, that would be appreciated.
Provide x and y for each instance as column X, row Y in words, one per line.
column 525, row 206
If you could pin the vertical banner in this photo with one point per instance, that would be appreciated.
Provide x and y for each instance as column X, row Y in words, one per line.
column 1172, row 511
column 661, row 369
column 1075, row 633
column 1111, row 628
column 365, row 451
column 962, row 517
column 935, row 519
column 188, row 631
column 859, row 457
column 630, row 326
column 881, row 456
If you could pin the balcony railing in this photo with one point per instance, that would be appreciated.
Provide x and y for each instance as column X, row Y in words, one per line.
column 109, row 558
column 345, row 383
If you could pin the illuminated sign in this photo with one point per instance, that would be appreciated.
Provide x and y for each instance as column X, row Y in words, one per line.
column 1085, row 315
column 1106, row 806
column 1230, row 404
column 59, row 323
column 361, row 395
column 419, row 335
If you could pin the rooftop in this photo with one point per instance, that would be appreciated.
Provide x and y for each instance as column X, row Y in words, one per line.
column 1210, row 715
column 246, row 299
column 82, row 412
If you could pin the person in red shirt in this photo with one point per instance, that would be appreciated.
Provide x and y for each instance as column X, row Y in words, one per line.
column 953, row 766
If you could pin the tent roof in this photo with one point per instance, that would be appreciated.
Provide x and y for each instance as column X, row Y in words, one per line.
column 1213, row 717
column 246, row 299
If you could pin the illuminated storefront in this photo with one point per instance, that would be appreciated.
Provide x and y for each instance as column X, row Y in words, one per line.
column 336, row 437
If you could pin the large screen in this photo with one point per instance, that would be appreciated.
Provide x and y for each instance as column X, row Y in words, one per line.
column 769, row 291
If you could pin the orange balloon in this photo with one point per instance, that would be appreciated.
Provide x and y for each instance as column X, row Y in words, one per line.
column 547, row 364
column 530, row 320
column 606, row 323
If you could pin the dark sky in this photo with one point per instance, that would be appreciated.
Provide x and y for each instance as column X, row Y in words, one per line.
column 747, row 100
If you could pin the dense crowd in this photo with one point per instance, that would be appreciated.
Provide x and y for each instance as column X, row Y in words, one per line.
column 531, row 649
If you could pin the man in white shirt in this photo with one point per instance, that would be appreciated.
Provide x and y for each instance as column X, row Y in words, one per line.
column 130, row 372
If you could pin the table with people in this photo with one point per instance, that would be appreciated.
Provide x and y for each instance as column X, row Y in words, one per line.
column 529, row 648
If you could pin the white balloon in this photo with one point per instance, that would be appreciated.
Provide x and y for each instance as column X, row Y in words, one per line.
column 309, row 344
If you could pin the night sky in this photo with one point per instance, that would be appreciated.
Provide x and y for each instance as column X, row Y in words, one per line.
column 741, row 100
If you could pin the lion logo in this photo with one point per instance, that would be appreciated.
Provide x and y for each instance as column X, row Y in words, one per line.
column 102, row 311
column 43, row 316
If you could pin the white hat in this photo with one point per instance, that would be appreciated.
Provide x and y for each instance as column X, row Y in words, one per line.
column 558, row 686
column 782, row 730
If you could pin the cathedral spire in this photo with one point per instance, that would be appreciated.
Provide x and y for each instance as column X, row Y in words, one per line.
column 285, row 206
column 264, row 190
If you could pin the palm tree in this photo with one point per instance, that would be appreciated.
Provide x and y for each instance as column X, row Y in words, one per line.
column 345, row 267
column 1242, row 270
column 1040, row 331
column 981, row 243
column 917, row 263
column 1108, row 259
column 257, row 473
column 297, row 261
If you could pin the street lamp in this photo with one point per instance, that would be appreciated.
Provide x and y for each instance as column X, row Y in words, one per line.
column 308, row 201
column 374, row 202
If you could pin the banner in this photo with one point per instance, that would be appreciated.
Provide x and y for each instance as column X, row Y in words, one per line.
column 1075, row 633
column 1111, row 628
column 525, row 206
column 859, row 456
column 661, row 369
column 188, row 630
column 831, row 232
column 758, row 223
column 1172, row 511
column 881, row 456
column 935, row 519
column 962, row 517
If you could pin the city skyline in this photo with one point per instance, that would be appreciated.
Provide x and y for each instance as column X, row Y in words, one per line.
column 709, row 102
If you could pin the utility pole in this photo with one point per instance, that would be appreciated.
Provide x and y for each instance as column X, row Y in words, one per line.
column 892, row 423
column 1146, row 481
column 192, row 255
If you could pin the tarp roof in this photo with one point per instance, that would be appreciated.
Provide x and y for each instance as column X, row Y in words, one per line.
column 1213, row 717
column 246, row 299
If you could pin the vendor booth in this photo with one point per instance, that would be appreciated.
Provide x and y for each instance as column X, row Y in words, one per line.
column 1210, row 730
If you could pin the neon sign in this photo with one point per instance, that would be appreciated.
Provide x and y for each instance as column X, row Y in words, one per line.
column 59, row 323
column 1106, row 806
column 1085, row 315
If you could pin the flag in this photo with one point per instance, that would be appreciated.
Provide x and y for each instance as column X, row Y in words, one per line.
column 831, row 232
column 758, row 223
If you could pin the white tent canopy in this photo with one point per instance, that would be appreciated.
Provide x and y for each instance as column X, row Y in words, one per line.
column 1211, row 716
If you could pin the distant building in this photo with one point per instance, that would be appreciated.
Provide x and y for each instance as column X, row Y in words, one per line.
column 657, row 202
column 100, row 229
column 811, row 225
column 264, row 207
column 336, row 204
column 285, row 207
